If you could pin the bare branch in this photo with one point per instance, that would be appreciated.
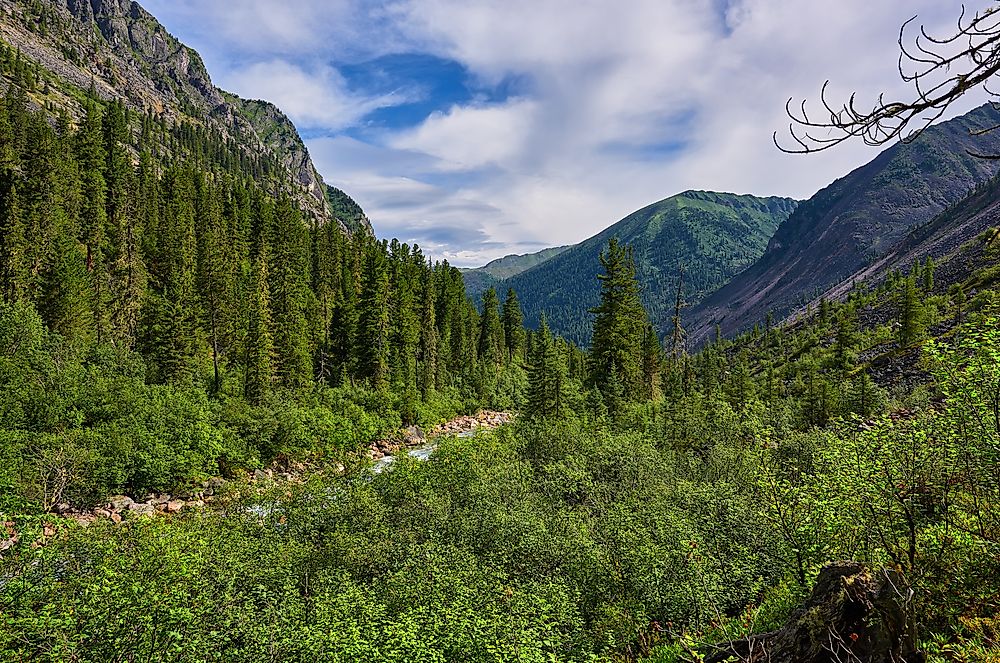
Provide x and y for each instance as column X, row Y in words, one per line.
column 940, row 68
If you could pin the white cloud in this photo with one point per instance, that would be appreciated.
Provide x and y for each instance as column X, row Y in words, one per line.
column 313, row 99
column 471, row 137
column 620, row 103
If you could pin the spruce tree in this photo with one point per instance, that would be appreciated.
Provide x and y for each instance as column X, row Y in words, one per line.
column 259, row 345
column 491, row 340
column 374, row 320
column 619, row 326
column 546, row 377
column 288, row 273
column 513, row 327
column 428, row 337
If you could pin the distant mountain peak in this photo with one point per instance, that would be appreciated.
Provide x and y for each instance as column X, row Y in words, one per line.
column 713, row 235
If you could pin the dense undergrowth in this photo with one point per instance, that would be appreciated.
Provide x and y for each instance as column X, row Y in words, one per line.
column 571, row 540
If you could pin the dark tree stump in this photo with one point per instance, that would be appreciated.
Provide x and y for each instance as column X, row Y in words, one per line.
column 854, row 615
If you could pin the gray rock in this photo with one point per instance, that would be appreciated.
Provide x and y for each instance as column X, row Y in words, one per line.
column 120, row 502
column 139, row 509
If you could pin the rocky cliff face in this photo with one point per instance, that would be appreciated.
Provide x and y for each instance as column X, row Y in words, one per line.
column 121, row 50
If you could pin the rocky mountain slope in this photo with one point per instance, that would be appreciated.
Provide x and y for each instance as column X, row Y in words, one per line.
column 480, row 279
column 713, row 236
column 120, row 51
column 852, row 223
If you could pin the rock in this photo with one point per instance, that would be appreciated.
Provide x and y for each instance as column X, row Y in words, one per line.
column 195, row 504
column 174, row 506
column 102, row 513
column 116, row 517
column 139, row 509
column 414, row 436
column 120, row 502
column 853, row 614
column 62, row 509
column 48, row 530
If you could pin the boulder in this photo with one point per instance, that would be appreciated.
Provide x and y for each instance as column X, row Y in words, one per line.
column 853, row 614
column 139, row 509
column 120, row 502
column 174, row 506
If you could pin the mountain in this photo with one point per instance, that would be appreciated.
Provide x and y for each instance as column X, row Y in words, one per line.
column 713, row 236
column 854, row 221
column 119, row 51
column 480, row 279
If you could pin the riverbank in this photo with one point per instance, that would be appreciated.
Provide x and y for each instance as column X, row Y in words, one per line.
column 119, row 508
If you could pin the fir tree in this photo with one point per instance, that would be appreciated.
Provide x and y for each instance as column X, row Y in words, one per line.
column 373, row 320
column 259, row 345
column 618, row 326
column 546, row 377
column 513, row 327
column 491, row 340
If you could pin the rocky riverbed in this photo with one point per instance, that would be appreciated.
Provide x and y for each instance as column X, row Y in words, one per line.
column 118, row 508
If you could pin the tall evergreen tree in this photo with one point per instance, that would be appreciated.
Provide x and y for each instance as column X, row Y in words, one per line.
column 513, row 327
column 619, row 325
column 546, row 377
column 288, row 273
column 491, row 339
column 374, row 320
column 429, row 342
column 259, row 344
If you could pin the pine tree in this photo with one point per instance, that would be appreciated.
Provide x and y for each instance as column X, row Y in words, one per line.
column 619, row 325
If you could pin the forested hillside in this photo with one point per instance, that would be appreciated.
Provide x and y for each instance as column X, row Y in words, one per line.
column 710, row 236
column 65, row 48
column 479, row 280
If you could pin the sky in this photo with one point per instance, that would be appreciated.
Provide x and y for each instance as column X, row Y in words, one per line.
column 480, row 128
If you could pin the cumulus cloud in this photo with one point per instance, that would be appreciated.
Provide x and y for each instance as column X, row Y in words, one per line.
column 622, row 103
column 319, row 98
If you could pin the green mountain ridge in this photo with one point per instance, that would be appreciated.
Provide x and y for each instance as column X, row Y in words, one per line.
column 480, row 279
column 712, row 236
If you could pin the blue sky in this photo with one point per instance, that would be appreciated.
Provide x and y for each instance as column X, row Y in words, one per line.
column 478, row 128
